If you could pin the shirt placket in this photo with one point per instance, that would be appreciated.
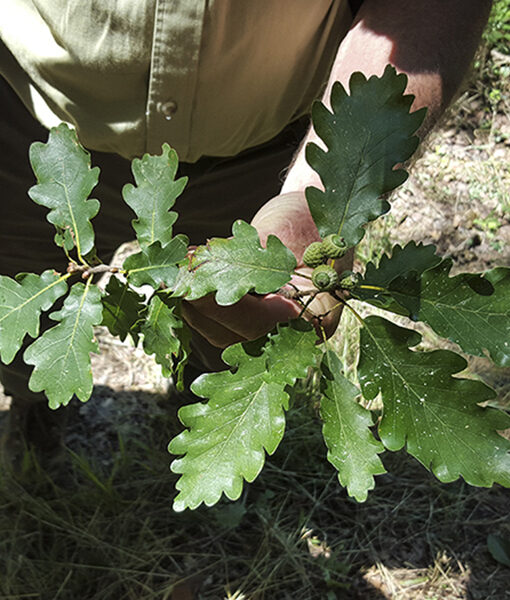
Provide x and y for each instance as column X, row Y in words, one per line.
column 178, row 28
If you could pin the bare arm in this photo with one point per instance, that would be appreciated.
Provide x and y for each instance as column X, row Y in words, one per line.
column 432, row 41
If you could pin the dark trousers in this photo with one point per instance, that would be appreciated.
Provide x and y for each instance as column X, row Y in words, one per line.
column 219, row 191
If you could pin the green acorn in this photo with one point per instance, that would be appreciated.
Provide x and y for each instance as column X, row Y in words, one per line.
column 314, row 256
column 325, row 278
column 349, row 280
column 334, row 246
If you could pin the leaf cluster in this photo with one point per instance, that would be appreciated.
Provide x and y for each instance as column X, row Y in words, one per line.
column 440, row 418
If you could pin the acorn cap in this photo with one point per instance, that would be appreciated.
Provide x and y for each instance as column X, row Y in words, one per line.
column 314, row 255
column 325, row 278
column 334, row 246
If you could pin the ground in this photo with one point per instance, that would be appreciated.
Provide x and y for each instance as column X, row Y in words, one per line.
column 102, row 527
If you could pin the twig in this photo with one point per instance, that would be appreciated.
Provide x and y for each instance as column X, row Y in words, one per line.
column 296, row 293
column 346, row 304
column 306, row 304
column 303, row 275
column 86, row 270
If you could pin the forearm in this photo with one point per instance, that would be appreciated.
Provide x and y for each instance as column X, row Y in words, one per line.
column 432, row 41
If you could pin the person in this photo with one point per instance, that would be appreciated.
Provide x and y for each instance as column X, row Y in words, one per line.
column 229, row 85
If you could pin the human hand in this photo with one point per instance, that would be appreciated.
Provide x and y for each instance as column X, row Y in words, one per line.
column 286, row 216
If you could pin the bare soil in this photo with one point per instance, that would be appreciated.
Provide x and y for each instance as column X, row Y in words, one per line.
column 415, row 538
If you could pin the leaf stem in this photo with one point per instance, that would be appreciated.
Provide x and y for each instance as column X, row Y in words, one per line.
column 81, row 259
column 371, row 287
column 323, row 334
column 354, row 312
column 331, row 309
column 68, row 256
column 306, row 305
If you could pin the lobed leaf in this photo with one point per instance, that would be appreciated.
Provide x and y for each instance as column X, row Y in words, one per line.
column 366, row 135
column 64, row 182
column 232, row 267
column 154, row 195
column 470, row 310
column 162, row 333
column 292, row 351
column 352, row 449
column 156, row 264
column 21, row 302
column 227, row 437
column 122, row 307
column 435, row 414
column 61, row 356
column 405, row 265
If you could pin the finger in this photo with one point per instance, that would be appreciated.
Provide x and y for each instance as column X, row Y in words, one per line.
column 215, row 333
column 252, row 316
column 329, row 310
column 288, row 217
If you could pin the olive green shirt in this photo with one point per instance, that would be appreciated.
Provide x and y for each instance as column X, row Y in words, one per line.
column 210, row 77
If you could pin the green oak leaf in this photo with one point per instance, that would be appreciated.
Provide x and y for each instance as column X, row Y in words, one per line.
column 293, row 352
column 352, row 449
column 227, row 436
column 121, row 309
column 367, row 133
column 181, row 360
column 156, row 264
column 244, row 416
column 61, row 356
column 437, row 415
column 470, row 310
column 21, row 302
column 64, row 182
column 499, row 547
column 156, row 192
column 162, row 333
column 235, row 266
column 405, row 265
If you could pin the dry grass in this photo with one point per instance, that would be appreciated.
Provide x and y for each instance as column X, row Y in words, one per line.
column 100, row 525
column 108, row 531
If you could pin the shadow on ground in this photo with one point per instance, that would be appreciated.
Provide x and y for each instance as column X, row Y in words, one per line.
column 100, row 524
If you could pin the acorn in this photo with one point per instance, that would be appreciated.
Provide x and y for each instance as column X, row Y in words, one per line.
column 325, row 278
column 314, row 255
column 349, row 280
column 334, row 246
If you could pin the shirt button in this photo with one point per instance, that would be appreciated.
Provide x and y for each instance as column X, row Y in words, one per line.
column 167, row 109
